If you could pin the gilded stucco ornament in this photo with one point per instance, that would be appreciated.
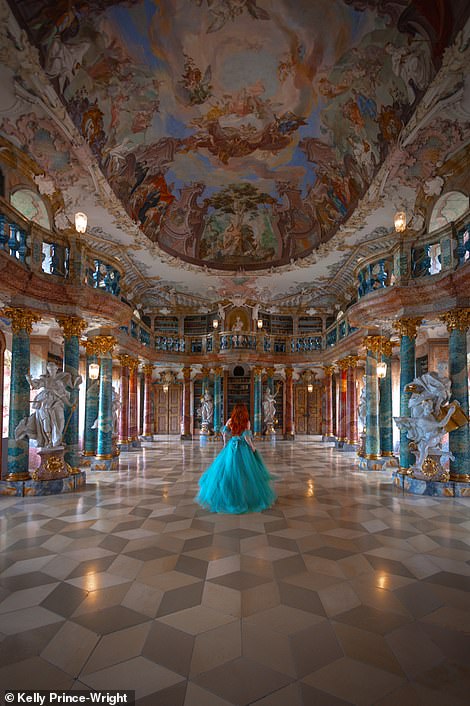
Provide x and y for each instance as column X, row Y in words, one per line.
column 21, row 319
column 104, row 344
column 407, row 326
column 457, row 319
column 328, row 370
column 71, row 325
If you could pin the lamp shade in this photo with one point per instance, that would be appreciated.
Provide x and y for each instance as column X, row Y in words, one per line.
column 381, row 369
column 310, row 387
column 259, row 323
column 400, row 221
column 215, row 323
column 81, row 221
column 93, row 371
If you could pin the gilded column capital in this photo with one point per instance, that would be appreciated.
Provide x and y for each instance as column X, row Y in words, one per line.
column 387, row 348
column 148, row 368
column 352, row 361
column 343, row 363
column 21, row 319
column 257, row 370
column 104, row 344
column 90, row 346
column 205, row 372
column 457, row 319
column 218, row 371
column 375, row 344
column 124, row 360
column 408, row 326
column 71, row 325
column 289, row 373
column 270, row 372
column 133, row 364
column 328, row 370
column 186, row 374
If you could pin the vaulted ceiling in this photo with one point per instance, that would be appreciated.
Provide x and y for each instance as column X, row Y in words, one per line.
column 236, row 140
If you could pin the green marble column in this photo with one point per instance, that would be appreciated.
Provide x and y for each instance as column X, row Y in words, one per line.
column 372, row 445
column 407, row 329
column 72, row 328
column 385, row 405
column 257, row 398
column 18, row 449
column 104, row 459
column 458, row 323
column 91, row 402
column 218, row 373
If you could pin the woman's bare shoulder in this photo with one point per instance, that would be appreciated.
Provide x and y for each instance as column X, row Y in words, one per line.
column 248, row 426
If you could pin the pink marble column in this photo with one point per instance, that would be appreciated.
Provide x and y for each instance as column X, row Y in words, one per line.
column 342, row 430
column 133, row 434
column 351, row 402
column 124, row 415
column 148, row 408
column 186, row 404
column 328, row 422
column 289, row 423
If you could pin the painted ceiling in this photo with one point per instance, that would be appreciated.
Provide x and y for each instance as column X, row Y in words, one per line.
column 238, row 135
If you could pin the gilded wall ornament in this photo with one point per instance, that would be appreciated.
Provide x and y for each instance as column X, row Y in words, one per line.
column 407, row 326
column 148, row 369
column 104, row 344
column 71, row 325
column 21, row 319
column 328, row 370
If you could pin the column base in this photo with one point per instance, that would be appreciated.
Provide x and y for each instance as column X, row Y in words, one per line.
column 31, row 488
column 124, row 446
column 371, row 462
column 345, row 445
column 146, row 437
column 186, row 437
column 105, row 464
column 290, row 436
column 435, row 488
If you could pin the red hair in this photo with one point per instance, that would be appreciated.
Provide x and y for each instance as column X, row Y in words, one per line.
column 239, row 420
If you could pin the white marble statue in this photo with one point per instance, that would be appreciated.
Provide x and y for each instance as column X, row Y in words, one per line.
column 221, row 312
column 207, row 409
column 426, row 426
column 269, row 407
column 238, row 325
column 116, row 406
column 362, row 407
column 46, row 424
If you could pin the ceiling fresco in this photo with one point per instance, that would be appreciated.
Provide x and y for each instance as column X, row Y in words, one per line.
column 239, row 134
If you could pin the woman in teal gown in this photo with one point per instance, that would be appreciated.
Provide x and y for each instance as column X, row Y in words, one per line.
column 237, row 481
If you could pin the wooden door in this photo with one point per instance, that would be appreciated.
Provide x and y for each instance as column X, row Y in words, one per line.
column 168, row 410
column 307, row 410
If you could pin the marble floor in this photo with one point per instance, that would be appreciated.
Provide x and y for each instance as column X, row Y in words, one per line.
column 345, row 592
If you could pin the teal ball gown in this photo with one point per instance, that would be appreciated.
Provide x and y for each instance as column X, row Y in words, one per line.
column 237, row 481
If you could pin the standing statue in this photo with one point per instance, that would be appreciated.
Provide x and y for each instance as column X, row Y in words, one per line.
column 362, row 407
column 269, row 409
column 116, row 407
column 46, row 424
column 207, row 412
column 426, row 427
column 238, row 325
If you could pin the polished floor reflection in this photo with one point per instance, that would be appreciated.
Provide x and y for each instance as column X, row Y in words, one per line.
column 345, row 592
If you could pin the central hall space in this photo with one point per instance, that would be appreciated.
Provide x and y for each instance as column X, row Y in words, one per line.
column 344, row 592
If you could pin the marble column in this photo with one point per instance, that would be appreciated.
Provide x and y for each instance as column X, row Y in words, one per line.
column 123, row 438
column 351, row 400
column 148, row 407
column 385, row 403
column 407, row 329
column 218, row 373
column 342, row 398
column 270, row 379
column 186, row 404
column 257, row 399
column 22, row 321
column 91, row 401
column 205, row 379
column 104, row 459
column 458, row 323
column 134, row 442
column 72, row 328
column 289, row 421
column 328, row 423
column 372, row 445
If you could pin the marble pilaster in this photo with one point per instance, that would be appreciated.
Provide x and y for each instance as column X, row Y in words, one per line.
column 458, row 323
column 22, row 321
column 72, row 328
column 407, row 329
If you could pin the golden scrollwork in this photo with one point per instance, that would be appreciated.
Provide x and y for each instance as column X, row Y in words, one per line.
column 289, row 373
column 71, row 325
column 407, row 326
column 186, row 374
column 328, row 370
column 90, row 346
column 270, row 372
column 21, row 319
column 104, row 344
column 378, row 344
column 205, row 372
column 148, row 369
column 342, row 364
column 387, row 348
column 133, row 364
column 457, row 320
column 219, row 371
column 257, row 370
column 52, row 468
column 124, row 360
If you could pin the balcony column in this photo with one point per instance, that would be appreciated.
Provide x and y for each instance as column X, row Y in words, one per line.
column 72, row 328
column 133, row 438
column 186, row 404
column 328, row 370
column 458, row 322
column 385, row 404
column 257, row 399
column 342, row 399
column 218, row 373
column 92, row 396
column 372, row 445
column 124, row 433
column 407, row 329
column 270, row 379
column 351, row 400
column 205, row 379
column 104, row 459
column 149, row 425
column 289, row 423
column 22, row 321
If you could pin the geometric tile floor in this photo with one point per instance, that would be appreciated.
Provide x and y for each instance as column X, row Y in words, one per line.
column 345, row 592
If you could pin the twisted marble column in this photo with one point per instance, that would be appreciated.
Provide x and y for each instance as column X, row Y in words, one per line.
column 22, row 321
column 72, row 328
column 407, row 329
column 458, row 323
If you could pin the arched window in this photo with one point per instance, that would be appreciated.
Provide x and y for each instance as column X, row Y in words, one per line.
column 449, row 207
column 31, row 205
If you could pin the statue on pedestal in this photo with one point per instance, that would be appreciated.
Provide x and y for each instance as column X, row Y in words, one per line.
column 431, row 414
column 269, row 410
column 207, row 412
column 362, row 415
